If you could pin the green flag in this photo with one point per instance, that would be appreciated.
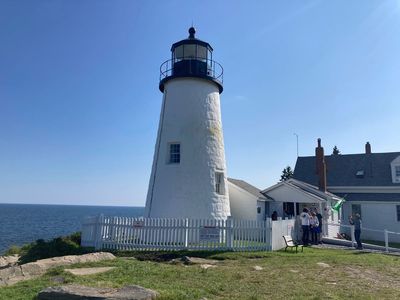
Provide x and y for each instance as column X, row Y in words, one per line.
column 338, row 204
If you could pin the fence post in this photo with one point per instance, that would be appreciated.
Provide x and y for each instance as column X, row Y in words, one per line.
column 229, row 233
column 268, row 234
column 386, row 240
column 353, row 239
column 84, row 231
column 95, row 234
column 186, row 233
column 98, row 235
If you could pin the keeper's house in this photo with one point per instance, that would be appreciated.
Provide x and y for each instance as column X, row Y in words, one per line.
column 369, row 182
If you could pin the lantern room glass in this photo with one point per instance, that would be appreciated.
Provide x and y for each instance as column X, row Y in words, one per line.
column 191, row 51
column 178, row 53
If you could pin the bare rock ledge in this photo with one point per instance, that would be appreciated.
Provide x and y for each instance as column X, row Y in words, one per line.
column 8, row 261
column 76, row 292
column 194, row 261
column 89, row 271
column 14, row 274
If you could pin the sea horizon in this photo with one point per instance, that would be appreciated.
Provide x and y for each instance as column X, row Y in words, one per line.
column 95, row 205
column 21, row 224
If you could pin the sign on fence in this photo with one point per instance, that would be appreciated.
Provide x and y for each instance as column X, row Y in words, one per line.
column 209, row 234
column 138, row 224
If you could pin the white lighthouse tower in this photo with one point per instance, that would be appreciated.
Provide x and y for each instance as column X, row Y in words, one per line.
column 188, row 177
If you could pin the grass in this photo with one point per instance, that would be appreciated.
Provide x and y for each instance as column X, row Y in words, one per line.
column 285, row 275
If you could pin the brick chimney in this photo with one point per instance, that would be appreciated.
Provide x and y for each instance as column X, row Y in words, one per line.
column 367, row 148
column 321, row 166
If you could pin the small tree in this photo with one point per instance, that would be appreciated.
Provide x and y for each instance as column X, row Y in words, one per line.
column 287, row 173
column 335, row 151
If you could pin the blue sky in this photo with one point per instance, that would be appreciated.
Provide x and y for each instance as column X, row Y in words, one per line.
column 79, row 98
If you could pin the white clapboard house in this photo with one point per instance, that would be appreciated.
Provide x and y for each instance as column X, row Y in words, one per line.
column 369, row 182
column 286, row 198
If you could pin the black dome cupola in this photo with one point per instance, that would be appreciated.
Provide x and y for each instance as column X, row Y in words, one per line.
column 191, row 57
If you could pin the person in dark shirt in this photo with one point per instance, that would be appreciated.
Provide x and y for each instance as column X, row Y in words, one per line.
column 319, row 217
column 356, row 221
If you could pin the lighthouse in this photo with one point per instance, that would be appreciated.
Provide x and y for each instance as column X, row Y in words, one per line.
column 188, row 177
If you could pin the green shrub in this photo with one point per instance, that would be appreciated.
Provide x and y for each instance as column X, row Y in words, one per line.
column 13, row 250
column 75, row 237
column 69, row 245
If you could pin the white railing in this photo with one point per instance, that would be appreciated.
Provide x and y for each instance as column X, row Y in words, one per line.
column 384, row 235
column 123, row 233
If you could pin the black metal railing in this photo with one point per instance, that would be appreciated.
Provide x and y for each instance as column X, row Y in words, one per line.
column 195, row 66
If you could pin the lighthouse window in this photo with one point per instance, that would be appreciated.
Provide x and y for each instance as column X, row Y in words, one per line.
column 219, row 183
column 190, row 51
column 174, row 153
column 179, row 53
column 202, row 52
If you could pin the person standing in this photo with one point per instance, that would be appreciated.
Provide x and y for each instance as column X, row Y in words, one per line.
column 319, row 217
column 305, row 225
column 327, row 213
column 356, row 221
column 314, row 226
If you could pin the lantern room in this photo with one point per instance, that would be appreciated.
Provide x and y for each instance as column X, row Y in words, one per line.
column 191, row 57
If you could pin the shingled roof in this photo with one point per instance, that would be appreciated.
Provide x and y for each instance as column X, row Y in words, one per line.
column 342, row 169
column 383, row 197
column 304, row 188
column 247, row 187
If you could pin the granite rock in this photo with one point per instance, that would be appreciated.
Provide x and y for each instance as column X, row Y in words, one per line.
column 76, row 292
column 197, row 260
column 88, row 271
column 8, row 261
column 14, row 274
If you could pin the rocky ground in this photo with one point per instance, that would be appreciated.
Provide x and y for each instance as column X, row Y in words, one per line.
column 8, row 261
column 16, row 273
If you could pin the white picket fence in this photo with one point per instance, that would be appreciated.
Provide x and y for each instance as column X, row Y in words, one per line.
column 123, row 233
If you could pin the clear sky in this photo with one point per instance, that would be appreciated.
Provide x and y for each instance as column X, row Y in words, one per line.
column 79, row 98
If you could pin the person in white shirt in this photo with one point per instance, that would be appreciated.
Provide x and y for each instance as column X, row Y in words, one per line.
column 305, row 225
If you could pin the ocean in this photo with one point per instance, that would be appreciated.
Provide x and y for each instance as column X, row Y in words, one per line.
column 24, row 223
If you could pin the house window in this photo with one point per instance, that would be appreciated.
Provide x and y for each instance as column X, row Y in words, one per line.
column 356, row 209
column 219, row 183
column 174, row 153
column 397, row 171
column 258, row 210
column 398, row 212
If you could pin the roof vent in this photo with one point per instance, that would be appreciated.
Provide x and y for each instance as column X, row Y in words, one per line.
column 360, row 174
